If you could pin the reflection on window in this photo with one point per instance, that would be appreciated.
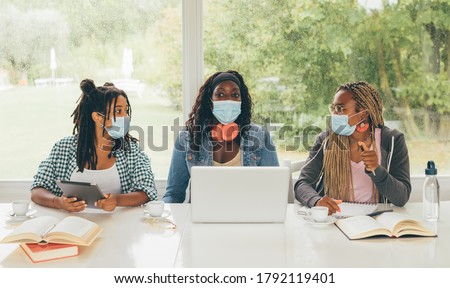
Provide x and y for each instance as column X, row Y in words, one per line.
column 294, row 54
column 48, row 47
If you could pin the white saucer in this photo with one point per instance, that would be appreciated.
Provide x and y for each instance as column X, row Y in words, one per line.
column 165, row 214
column 328, row 221
column 30, row 214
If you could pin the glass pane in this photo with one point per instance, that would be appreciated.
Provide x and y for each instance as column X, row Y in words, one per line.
column 46, row 49
column 294, row 54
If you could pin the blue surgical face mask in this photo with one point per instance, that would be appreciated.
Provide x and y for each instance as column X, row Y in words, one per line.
column 226, row 111
column 119, row 127
column 340, row 126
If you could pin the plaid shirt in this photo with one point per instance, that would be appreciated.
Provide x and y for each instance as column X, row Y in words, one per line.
column 133, row 166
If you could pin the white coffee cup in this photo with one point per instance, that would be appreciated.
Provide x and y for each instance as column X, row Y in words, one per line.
column 155, row 208
column 20, row 207
column 318, row 213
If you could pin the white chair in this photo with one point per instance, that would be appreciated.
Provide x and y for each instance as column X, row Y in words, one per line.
column 294, row 167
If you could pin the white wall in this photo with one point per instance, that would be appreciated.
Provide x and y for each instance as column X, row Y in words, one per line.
column 20, row 189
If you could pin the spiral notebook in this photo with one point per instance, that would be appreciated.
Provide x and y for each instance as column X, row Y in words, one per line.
column 349, row 209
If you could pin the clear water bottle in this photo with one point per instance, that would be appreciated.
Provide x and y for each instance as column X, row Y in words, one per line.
column 431, row 193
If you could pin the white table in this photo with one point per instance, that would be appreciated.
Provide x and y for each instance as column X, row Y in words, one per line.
column 297, row 243
column 128, row 241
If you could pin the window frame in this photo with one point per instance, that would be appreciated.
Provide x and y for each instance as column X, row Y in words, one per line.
column 192, row 31
column 192, row 78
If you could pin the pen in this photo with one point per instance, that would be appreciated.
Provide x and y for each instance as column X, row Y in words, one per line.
column 48, row 230
column 362, row 149
column 376, row 213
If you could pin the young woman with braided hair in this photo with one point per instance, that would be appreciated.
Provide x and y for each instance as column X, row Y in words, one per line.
column 358, row 158
column 218, row 132
column 100, row 151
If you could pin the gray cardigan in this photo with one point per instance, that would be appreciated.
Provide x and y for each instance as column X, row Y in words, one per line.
column 392, row 176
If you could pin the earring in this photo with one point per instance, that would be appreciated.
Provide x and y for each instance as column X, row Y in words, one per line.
column 362, row 127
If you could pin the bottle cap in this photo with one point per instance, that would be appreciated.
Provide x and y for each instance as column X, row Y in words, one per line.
column 431, row 169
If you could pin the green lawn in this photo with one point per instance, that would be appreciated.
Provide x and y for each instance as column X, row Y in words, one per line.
column 34, row 118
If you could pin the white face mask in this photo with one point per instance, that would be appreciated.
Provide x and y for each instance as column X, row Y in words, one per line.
column 226, row 111
column 340, row 125
column 119, row 127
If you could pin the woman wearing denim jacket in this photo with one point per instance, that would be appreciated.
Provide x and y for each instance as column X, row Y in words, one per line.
column 218, row 133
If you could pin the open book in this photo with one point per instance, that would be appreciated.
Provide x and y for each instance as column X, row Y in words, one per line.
column 389, row 224
column 70, row 230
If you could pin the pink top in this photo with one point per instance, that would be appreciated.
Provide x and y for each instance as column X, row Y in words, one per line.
column 362, row 183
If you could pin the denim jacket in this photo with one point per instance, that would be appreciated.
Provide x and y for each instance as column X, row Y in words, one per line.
column 257, row 149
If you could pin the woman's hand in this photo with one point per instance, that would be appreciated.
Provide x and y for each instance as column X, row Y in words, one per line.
column 330, row 203
column 107, row 204
column 369, row 157
column 69, row 204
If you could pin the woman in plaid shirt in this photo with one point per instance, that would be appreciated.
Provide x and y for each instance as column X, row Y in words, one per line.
column 100, row 150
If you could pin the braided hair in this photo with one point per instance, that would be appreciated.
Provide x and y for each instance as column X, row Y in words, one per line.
column 201, row 116
column 95, row 99
column 336, row 162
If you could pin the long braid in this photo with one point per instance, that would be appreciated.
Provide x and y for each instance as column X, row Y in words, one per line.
column 336, row 163
column 336, row 167
column 201, row 115
column 94, row 99
column 84, row 127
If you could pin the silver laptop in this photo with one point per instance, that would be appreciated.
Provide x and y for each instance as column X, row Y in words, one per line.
column 239, row 194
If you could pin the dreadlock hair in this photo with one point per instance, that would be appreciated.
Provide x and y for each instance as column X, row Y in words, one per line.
column 95, row 99
column 201, row 116
column 336, row 162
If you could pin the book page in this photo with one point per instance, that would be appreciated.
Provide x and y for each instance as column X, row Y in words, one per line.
column 349, row 209
column 402, row 224
column 76, row 226
column 390, row 219
column 361, row 227
column 32, row 229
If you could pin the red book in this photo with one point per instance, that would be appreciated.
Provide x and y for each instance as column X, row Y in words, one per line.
column 50, row 251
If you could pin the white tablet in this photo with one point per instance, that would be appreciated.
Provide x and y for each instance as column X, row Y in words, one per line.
column 87, row 192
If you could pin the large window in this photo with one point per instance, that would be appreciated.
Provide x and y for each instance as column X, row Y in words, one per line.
column 48, row 47
column 294, row 54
